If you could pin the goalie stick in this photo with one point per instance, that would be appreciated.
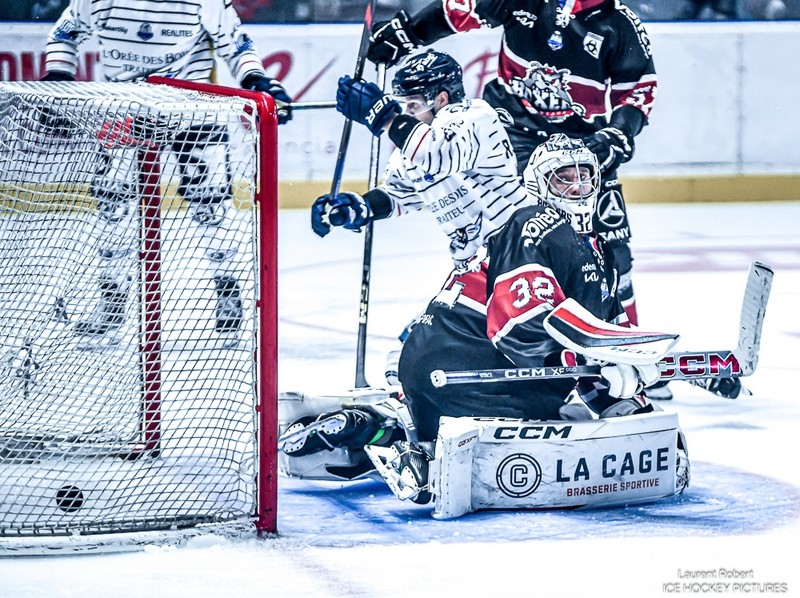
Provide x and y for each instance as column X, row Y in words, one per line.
column 742, row 361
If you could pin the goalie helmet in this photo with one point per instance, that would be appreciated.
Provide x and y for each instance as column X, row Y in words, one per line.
column 428, row 73
column 563, row 172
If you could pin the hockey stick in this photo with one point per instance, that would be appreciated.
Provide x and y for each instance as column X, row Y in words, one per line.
column 366, row 265
column 742, row 361
column 312, row 105
column 348, row 124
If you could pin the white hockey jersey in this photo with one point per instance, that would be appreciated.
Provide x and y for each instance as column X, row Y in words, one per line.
column 139, row 38
column 463, row 169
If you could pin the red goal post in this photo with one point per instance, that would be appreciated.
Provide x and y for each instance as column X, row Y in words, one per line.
column 138, row 311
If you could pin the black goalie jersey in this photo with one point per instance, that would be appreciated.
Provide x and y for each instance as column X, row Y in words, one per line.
column 493, row 318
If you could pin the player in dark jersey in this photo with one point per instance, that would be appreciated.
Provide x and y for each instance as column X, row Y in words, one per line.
column 491, row 316
column 579, row 67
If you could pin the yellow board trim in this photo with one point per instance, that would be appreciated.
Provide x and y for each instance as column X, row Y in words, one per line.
column 637, row 189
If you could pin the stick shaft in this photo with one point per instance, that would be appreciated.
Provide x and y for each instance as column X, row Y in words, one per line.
column 366, row 268
column 313, row 105
column 674, row 366
column 344, row 142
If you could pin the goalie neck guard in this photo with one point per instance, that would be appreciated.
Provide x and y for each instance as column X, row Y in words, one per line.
column 427, row 74
column 564, row 173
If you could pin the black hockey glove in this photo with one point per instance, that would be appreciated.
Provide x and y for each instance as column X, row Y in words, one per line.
column 365, row 103
column 728, row 388
column 283, row 102
column 346, row 209
column 58, row 76
column 612, row 147
column 391, row 40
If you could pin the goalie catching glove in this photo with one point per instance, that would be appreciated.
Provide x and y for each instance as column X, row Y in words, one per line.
column 365, row 103
column 345, row 209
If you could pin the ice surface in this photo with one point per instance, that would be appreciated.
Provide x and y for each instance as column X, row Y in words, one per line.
column 740, row 513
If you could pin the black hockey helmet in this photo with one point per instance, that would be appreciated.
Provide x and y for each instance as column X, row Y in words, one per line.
column 427, row 74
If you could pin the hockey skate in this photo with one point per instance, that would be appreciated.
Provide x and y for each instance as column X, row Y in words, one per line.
column 229, row 313
column 108, row 316
column 350, row 428
column 404, row 467
column 307, row 422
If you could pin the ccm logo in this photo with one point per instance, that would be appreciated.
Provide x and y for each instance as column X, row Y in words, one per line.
column 700, row 364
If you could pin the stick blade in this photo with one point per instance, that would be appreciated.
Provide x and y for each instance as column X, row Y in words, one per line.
column 754, row 308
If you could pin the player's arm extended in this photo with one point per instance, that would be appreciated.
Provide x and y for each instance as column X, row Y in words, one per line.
column 69, row 32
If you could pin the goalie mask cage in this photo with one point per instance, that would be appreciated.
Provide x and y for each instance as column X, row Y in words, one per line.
column 138, row 291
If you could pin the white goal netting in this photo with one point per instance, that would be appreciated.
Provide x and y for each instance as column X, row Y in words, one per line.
column 128, row 285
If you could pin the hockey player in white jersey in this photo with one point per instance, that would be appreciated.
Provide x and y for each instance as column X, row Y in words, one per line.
column 139, row 38
column 453, row 156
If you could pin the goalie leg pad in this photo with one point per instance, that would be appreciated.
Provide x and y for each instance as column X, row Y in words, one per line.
column 499, row 463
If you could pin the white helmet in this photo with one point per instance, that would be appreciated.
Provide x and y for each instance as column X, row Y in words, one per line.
column 564, row 173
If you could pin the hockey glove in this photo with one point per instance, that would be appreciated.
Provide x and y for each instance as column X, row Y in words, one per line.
column 625, row 381
column 365, row 103
column 283, row 102
column 58, row 76
column 391, row 40
column 346, row 209
column 612, row 147
column 729, row 388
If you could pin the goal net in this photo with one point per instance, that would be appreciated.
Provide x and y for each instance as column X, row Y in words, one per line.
column 137, row 320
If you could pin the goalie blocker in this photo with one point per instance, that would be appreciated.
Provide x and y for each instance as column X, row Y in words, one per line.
column 496, row 463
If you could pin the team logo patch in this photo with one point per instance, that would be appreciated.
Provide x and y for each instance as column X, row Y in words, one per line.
column 244, row 43
column 592, row 43
column 65, row 32
column 546, row 90
column 556, row 41
column 609, row 209
column 145, row 32
column 518, row 475
column 461, row 237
